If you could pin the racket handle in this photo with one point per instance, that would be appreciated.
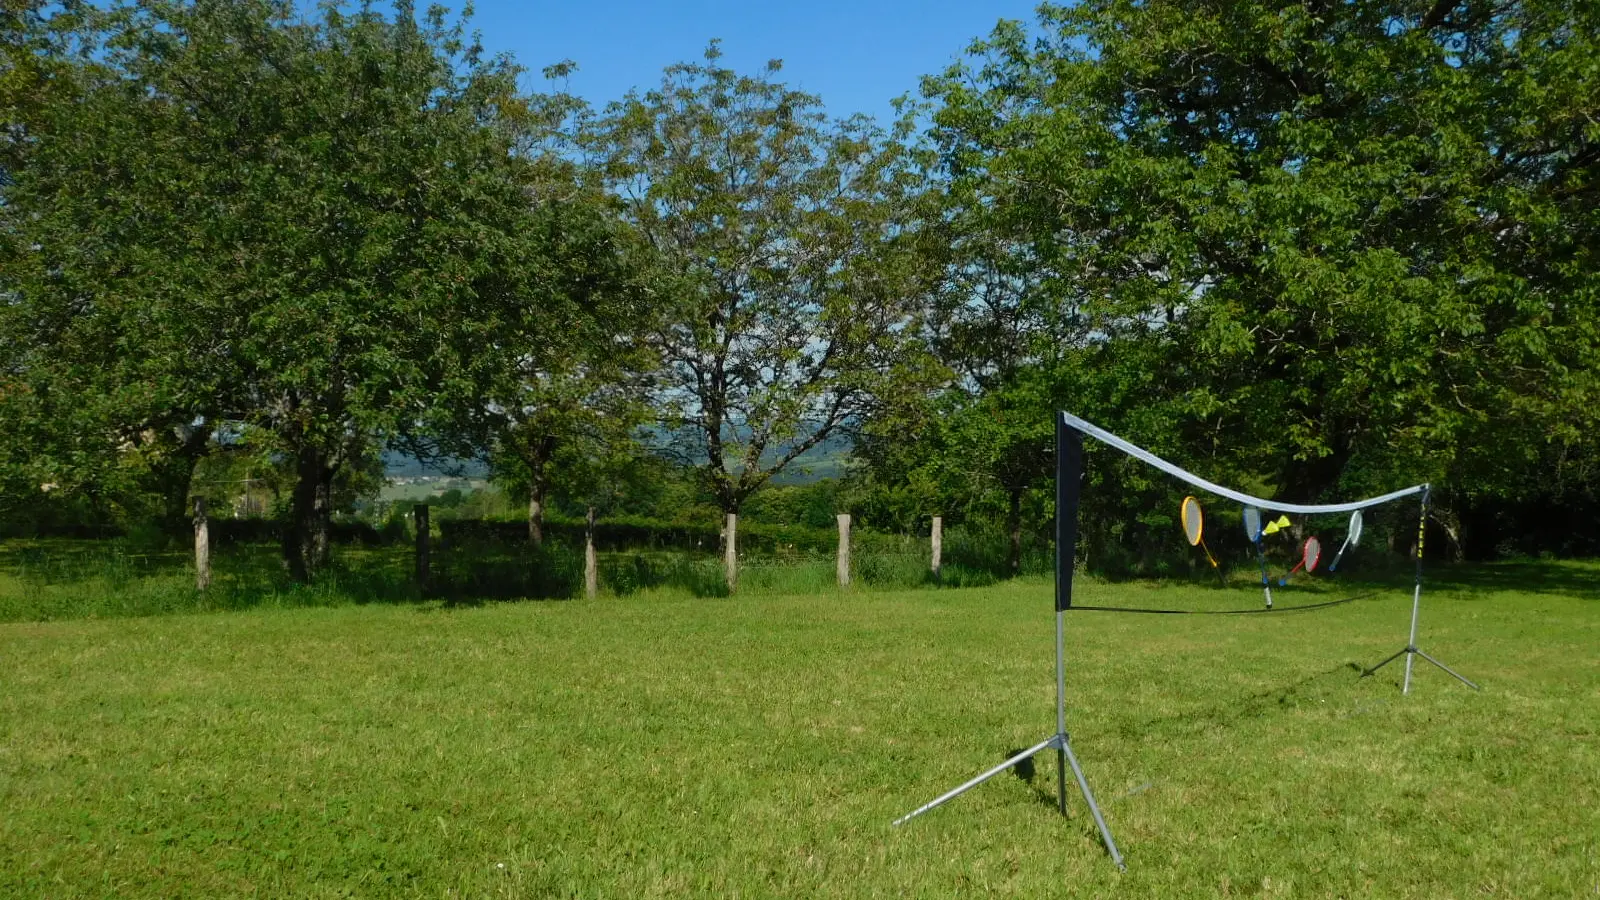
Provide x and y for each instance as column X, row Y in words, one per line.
column 1334, row 567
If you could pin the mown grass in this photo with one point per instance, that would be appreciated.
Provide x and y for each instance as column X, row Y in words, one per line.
column 760, row 746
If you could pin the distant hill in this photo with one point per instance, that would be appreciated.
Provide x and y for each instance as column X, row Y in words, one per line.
column 403, row 465
column 827, row 459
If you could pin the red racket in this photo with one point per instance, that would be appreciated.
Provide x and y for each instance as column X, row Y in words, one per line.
column 1310, row 555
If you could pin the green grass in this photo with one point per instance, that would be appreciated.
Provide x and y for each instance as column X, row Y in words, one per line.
column 760, row 746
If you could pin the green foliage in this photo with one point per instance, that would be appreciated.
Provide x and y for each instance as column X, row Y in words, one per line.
column 312, row 227
column 1316, row 250
column 815, row 505
column 1330, row 248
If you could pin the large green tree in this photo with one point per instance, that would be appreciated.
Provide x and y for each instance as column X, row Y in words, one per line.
column 559, row 401
column 976, row 423
column 1335, row 246
column 569, row 422
column 51, row 59
column 778, row 241
column 313, row 226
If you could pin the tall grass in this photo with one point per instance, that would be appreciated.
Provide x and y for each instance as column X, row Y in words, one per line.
column 49, row 579
column 153, row 574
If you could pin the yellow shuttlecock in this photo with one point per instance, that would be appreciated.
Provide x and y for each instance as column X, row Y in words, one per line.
column 1275, row 527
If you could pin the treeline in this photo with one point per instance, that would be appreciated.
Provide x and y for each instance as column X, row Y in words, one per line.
column 1317, row 250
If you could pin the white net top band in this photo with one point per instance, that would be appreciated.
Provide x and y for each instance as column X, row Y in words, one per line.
column 1106, row 437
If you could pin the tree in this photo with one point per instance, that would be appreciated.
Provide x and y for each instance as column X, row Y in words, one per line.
column 308, row 227
column 561, row 396
column 1350, row 243
column 44, row 63
column 776, row 238
column 578, row 422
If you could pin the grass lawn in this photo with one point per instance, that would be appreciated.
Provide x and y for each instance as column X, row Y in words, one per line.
column 760, row 746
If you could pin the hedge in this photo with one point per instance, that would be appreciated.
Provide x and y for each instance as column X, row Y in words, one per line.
column 640, row 533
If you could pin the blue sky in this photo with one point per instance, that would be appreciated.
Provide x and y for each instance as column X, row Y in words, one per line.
column 856, row 55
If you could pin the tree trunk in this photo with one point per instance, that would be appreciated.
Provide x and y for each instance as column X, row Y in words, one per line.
column 1014, row 526
column 1450, row 523
column 175, row 478
column 174, row 474
column 305, row 543
column 537, row 455
column 536, row 516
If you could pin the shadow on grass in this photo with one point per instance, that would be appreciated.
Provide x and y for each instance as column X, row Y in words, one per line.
column 1568, row 578
column 1578, row 579
column 1230, row 712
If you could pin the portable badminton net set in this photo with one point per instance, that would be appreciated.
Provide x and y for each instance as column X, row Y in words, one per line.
column 1070, row 431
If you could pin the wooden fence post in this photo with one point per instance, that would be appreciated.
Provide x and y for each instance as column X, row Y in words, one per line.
column 938, row 544
column 422, row 544
column 202, row 546
column 844, row 549
column 591, row 565
column 730, row 543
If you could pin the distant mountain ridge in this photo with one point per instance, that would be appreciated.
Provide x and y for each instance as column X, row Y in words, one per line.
column 827, row 459
column 397, row 464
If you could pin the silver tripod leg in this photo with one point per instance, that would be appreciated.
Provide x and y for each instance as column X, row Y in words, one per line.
column 943, row 798
column 1058, row 742
column 1385, row 662
column 1410, row 650
column 1088, row 797
column 1458, row 675
column 1408, row 653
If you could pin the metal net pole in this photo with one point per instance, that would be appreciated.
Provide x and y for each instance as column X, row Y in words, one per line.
column 1416, row 591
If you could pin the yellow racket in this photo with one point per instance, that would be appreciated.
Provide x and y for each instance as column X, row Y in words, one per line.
column 1194, row 523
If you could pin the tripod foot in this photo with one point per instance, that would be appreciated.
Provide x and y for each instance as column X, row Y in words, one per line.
column 1094, row 808
column 1459, row 677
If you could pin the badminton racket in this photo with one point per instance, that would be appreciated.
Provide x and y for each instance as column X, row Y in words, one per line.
column 1310, row 555
column 1252, row 527
column 1352, row 538
column 1194, row 522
